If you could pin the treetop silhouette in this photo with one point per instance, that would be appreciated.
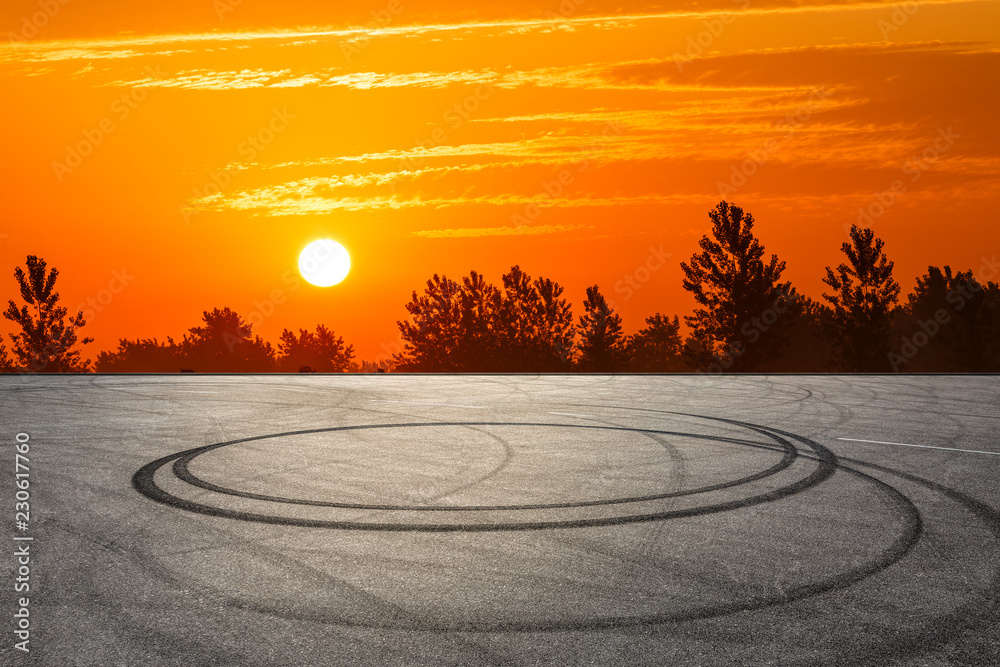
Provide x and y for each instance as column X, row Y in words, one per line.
column 47, row 338
column 951, row 322
column 657, row 348
column 863, row 303
column 226, row 344
column 320, row 352
column 602, row 345
column 536, row 324
column 732, row 284
column 141, row 356
column 476, row 327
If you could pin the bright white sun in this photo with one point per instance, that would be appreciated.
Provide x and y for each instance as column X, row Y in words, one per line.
column 324, row 263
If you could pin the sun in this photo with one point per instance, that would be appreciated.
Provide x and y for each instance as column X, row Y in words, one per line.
column 324, row 263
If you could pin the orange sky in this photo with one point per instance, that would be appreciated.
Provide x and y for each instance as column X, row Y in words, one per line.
column 425, row 145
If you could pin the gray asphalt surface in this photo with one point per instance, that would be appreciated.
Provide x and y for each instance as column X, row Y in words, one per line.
column 506, row 520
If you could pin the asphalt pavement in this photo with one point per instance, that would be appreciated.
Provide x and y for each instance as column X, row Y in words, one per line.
column 502, row 520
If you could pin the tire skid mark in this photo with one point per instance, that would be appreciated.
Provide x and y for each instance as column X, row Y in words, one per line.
column 144, row 483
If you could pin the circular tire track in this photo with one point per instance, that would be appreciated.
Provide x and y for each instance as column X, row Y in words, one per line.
column 144, row 482
column 828, row 464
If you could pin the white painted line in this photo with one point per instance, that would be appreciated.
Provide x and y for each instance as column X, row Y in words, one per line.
column 447, row 405
column 903, row 444
column 188, row 391
column 570, row 414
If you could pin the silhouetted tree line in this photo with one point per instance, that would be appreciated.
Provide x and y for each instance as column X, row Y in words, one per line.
column 226, row 344
column 747, row 319
column 223, row 343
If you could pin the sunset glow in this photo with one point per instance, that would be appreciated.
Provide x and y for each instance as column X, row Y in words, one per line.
column 197, row 148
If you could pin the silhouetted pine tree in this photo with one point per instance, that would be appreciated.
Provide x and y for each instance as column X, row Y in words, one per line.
column 535, row 327
column 474, row 327
column 741, row 318
column 601, row 348
column 478, row 345
column 47, row 337
column 321, row 352
column 226, row 344
column 862, row 304
column 432, row 338
column 553, row 326
column 658, row 347
column 950, row 323
column 805, row 349
column 697, row 354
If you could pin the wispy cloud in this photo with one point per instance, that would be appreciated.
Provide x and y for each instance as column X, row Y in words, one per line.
column 473, row 232
column 207, row 79
column 210, row 80
column 268, row 203
column 131, row 46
